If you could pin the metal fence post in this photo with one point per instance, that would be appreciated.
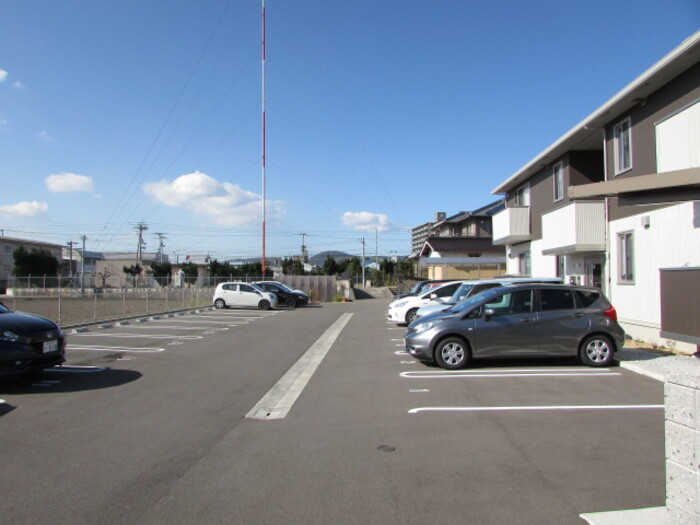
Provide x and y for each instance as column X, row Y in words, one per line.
column 59, row 308
column 94, row 309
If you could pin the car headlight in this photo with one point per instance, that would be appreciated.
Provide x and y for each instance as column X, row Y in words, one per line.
column 422, row 327
column 400, row 304
column 12, row 337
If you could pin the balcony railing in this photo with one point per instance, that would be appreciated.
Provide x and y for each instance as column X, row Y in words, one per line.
column 512, row 225
column 576, row 228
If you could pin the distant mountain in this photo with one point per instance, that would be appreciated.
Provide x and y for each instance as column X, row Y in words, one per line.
column 320, row 258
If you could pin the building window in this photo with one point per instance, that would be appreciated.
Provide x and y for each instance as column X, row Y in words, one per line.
column 558, row 179
column 622, row 143
column 561, row 268
column 522, row 196
column 471, row 229
column 625, row 247
column 524, row 263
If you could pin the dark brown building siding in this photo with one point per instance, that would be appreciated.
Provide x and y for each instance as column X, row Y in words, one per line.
column 675, row 95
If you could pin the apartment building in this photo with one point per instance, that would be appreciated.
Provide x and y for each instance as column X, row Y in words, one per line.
column 614, row 203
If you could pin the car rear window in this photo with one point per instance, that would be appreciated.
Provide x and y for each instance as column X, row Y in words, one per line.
column 592, row 299
column 556, row 299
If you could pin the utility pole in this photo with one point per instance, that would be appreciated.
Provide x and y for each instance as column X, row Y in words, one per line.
column 363, row 262
column 376, row 247
column 82, row 266
column 141, row 227
column 161, row 245
column 70, row 268
column 303, row 247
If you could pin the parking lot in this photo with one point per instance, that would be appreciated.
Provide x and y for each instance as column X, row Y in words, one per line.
column 150, row 422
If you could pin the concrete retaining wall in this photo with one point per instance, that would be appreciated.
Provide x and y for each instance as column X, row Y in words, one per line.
column 682, row 393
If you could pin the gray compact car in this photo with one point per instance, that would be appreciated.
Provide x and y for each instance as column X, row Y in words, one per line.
column 525, row 320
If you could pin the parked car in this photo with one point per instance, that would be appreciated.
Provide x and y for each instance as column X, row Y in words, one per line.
column 404, row 310
column 470, row 288
column 524, row 320
column 285, row 295
column 422, row 286
column 243, row 294
column 28, row 343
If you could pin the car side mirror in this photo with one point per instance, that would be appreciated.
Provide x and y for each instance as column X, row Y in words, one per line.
column 489, row 313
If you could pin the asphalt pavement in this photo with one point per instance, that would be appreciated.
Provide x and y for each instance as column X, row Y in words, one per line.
column 150, row 423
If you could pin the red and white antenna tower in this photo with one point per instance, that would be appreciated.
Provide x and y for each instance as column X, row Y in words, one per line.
column 263, row 138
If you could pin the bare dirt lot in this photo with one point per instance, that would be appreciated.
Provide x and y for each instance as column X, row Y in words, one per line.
column 79, row 310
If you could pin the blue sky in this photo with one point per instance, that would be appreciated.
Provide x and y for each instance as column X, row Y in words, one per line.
column 379, row 112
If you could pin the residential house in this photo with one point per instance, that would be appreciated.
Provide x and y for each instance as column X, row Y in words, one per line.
column 461, row 247
column 614, row 202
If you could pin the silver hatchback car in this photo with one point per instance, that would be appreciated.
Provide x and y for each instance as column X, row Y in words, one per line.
column 525, row 320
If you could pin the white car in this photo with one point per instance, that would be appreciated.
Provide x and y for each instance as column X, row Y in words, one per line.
column 404, row 310
column 470, row 288
column 243, row 294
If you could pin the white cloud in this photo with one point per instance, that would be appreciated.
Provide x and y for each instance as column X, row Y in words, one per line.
column 223, row 203
column 69, row 182
column 25, row 209
column 3, row 75
column 367, row 221
column 17, row 84
column 44, row 135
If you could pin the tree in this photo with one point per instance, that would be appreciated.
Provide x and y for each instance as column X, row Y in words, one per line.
column 292, row 267
column 36, row 262
column 190, row 271
column 134, row 270
column 354, row 267
column 330, row 266
column 162, row 272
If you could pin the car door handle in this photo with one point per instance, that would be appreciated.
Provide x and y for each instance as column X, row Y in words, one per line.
column 525, row 320
column 577, row 314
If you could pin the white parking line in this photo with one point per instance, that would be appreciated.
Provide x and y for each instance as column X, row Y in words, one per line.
column 538, row 408
column 408, row 375
column 282, row 396
column 171, row 327
column 101, row 348
column 142, row 336
column 79, row 369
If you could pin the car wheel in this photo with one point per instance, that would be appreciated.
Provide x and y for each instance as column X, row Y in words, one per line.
column 411, row 315
column 597, row 350
column 219, row 304
column 264, row 304
column 291, row 302
column 452, row 353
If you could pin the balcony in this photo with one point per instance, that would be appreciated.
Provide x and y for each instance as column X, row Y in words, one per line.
column 576, row 228
column 512, row 225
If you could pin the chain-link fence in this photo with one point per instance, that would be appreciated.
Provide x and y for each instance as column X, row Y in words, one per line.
column 75, row 303
column 69, row 309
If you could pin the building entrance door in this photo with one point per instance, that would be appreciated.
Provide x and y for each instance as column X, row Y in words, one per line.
column 594, row 272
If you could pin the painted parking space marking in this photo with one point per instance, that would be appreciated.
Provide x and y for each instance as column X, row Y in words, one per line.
column 559, row 372
column 277, row 403
column 79, row 369
column 401, row 352
column 174, row 327
column 535, row 408
column 141, row 336
column 102, row 348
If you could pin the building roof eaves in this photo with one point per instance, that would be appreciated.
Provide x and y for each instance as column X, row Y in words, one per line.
column 674, row 63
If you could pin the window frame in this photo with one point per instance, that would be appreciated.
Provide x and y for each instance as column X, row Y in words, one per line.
column 558, row 181
column 622, row 142
column 625, row 257
column 521, row 195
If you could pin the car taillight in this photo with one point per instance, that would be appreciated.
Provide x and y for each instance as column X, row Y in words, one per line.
column 611, row 313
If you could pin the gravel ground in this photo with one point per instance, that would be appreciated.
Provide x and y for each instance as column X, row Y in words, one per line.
column 659, row 365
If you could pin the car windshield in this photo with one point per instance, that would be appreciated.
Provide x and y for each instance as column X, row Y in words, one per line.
column 284, row 287
column 256, row 287
column 4, row 309
column 473, row 301
column 461, row 293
